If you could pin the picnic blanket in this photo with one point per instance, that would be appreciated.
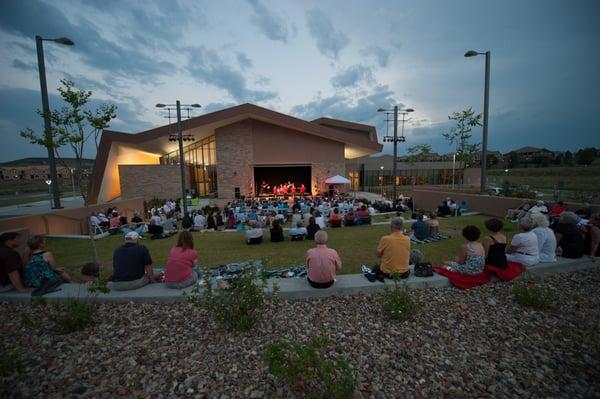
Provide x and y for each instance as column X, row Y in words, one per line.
column 466, row 281
column 433, row 238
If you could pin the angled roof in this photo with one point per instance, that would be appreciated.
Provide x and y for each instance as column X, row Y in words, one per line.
column 530, row 149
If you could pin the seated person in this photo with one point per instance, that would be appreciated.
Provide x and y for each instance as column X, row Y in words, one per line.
column 41, row 266
column 539, row 207
column 276, row 231
column 212, row 222
column 394, row 251
column 335, row 220
column 557, row 209
column 187, row 222
column 545, row 237
column 420, row 228
column 462, row 207
column 156, row 232
column 230, row 223
column 494, row 244
column 320, row 220
column 312, row 228
column 95, row 223
column 90, row 272
column 114, row 223
column 444, row 210
column 132, row 265
column 515, row 214
column 592, row 237
column 434, row 225
column 254, row 235
column 104, row 222
column 170, row 226
column 299, row 232
column 322, row 263
column 296, row 217
column 199, row 221
column 471, row 256
column 350, row 218
column 523, row 247
column 585, row 212
column 568, row 237
column 137, row 225
column 363, row 215
column 11, row 264
column 179, row 270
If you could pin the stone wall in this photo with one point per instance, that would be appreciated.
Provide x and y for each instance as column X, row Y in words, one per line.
column 235, row 158
column 321, row 171
column 151, row 181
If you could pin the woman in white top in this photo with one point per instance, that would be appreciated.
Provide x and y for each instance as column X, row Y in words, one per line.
column 545, row 236
column 523, row 247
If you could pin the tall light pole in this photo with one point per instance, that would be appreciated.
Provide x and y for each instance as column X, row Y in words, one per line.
column 395, row 139
column 73, row 181
column 381, row 179
column 46, row 112
column 180, row 140
column 453, row 168
column 486, row 107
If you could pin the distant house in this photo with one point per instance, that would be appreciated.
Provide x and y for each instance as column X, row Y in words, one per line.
column 496, row 154
column 531, row 153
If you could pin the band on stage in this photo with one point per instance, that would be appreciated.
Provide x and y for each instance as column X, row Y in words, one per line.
column 288, row 188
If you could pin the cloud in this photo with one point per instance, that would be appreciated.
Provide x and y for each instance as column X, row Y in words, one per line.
column 352, row 76
column 216, row 106
column 329, row 41
column 243, row 60
column 381, row 55
column 24, row 66
column 207, row 66
column 267, row 23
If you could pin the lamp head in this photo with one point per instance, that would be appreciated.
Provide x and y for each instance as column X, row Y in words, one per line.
column 471, row 53
column 196, row 106
column 381, row 110
column 64, row 40
column 160, row 105
column 409, row 110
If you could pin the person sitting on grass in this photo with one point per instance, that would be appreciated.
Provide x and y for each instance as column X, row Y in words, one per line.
column 132, row 265
column 335, row 220
column 276, row 231
column 199, row 221
column 350, row 218
column 170, row 224
column 156, row 232
column 471, row 256
column 254, row 235
column 187, row 222
column 523, row 247
column 11, row 264
column 394, row 251
column 41, row 266
column 363, row 215
column 545, row 237
column 114, row 223
column 322, row 263
column 434, row 225
column 592, row 237
column 299, row 232
column 539, row 207
column 557, row 209
column 420, row 228
column 495, row 244
column 312, row 228
column 90, row 272
column 179, row 270
column 568, row 237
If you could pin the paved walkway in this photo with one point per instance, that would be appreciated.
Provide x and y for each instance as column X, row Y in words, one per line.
column 291, row 288
column 37, row 207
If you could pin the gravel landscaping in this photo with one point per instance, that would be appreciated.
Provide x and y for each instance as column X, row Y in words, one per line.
column 476, row 343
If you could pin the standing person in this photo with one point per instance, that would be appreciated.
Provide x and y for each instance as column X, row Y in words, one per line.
column 179, row 271
column 495, row 244
column 322, row 263
column 545, row 237
column 11, row 264
column 471, row 256
column 523, row 247
column 394, row 251
column 132, row 265
column 41, row 266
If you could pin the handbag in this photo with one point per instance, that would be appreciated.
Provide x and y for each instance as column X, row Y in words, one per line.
column 423, row 270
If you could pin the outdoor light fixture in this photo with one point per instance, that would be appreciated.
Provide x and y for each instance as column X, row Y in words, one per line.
column 46, row 114
column 395, row 139
column 486, row 106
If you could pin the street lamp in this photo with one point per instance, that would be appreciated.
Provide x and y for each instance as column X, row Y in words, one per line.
column 395, row 139
column 486, row 106
column 73, row 180
column 381, row 179
column 49, row 183
column 180, row 139
column 46, row 112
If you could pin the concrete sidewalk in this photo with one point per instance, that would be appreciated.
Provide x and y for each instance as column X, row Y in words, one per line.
column 291, row 288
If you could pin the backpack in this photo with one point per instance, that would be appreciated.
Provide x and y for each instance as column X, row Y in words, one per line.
column 423, row 270
column 37, row 272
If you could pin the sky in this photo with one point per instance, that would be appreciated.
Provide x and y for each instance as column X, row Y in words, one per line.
column 339, row 59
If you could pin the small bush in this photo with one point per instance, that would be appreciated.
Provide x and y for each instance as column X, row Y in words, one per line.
column 11, row 362
column 307, row 372
column 98, row 286
column 74, row 315
column 399, row 302
column 532, row 293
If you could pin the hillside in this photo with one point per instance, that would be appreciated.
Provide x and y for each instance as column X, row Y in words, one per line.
column 44, row 161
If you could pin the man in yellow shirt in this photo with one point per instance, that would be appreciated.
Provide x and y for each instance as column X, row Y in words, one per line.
column 394, row 251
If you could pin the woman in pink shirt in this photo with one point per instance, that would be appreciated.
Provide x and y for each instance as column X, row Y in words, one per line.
column 322, row 263
column 183, row 258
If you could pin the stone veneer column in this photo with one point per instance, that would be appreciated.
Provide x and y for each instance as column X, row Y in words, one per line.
column 322, row 171
column 235, row 158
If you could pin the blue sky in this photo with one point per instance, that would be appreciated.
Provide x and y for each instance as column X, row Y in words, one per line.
column 342, row 59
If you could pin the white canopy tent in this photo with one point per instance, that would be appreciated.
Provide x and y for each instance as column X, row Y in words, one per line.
column 337, row 179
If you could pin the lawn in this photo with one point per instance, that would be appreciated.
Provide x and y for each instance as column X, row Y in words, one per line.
column 356, row 246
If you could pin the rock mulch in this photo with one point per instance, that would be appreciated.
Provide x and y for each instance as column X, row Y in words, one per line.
column 476, row 343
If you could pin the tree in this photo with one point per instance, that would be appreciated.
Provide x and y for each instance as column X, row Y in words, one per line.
column 513, row 161
column 72, row 126
column 460, row 135
column 416, row 152
column 586, row 156
column 568, row 158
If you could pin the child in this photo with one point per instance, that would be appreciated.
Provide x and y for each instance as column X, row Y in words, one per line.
column 89, row 272
column 471, row 256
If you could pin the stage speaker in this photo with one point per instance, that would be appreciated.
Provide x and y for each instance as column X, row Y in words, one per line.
column 237, row 192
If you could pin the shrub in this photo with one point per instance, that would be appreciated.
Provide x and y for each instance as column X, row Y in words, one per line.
column 238, row 305
column 307, row 372
column 399, row 302
column 533, row 293
column 11, row 362
column 74, row 315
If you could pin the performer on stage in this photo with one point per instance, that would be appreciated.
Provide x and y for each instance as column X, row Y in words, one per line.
column 302, row 189
column 293, row 189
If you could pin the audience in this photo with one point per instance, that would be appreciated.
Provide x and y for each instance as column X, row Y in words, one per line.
column 335, row 220
column 434, row 224
column 41, row 266
column 187, row 222
column 394, row 251
column 471, row 256
column 420, row 228
column 495, row 244
column 539, row 207
column 11, row 263
column 568, row 236
column 350, row 218
column 545, row 237
column 322, row 263
column 276, row 231
column 363, row 215
column 523, row 247
column 557, row 209
column 132, row 265
column 179, row 271
column 312, row 228
column 254, row 235
column 199, row 221
column 299, row 232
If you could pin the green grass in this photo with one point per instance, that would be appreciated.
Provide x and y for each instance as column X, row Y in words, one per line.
column 355, row 245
